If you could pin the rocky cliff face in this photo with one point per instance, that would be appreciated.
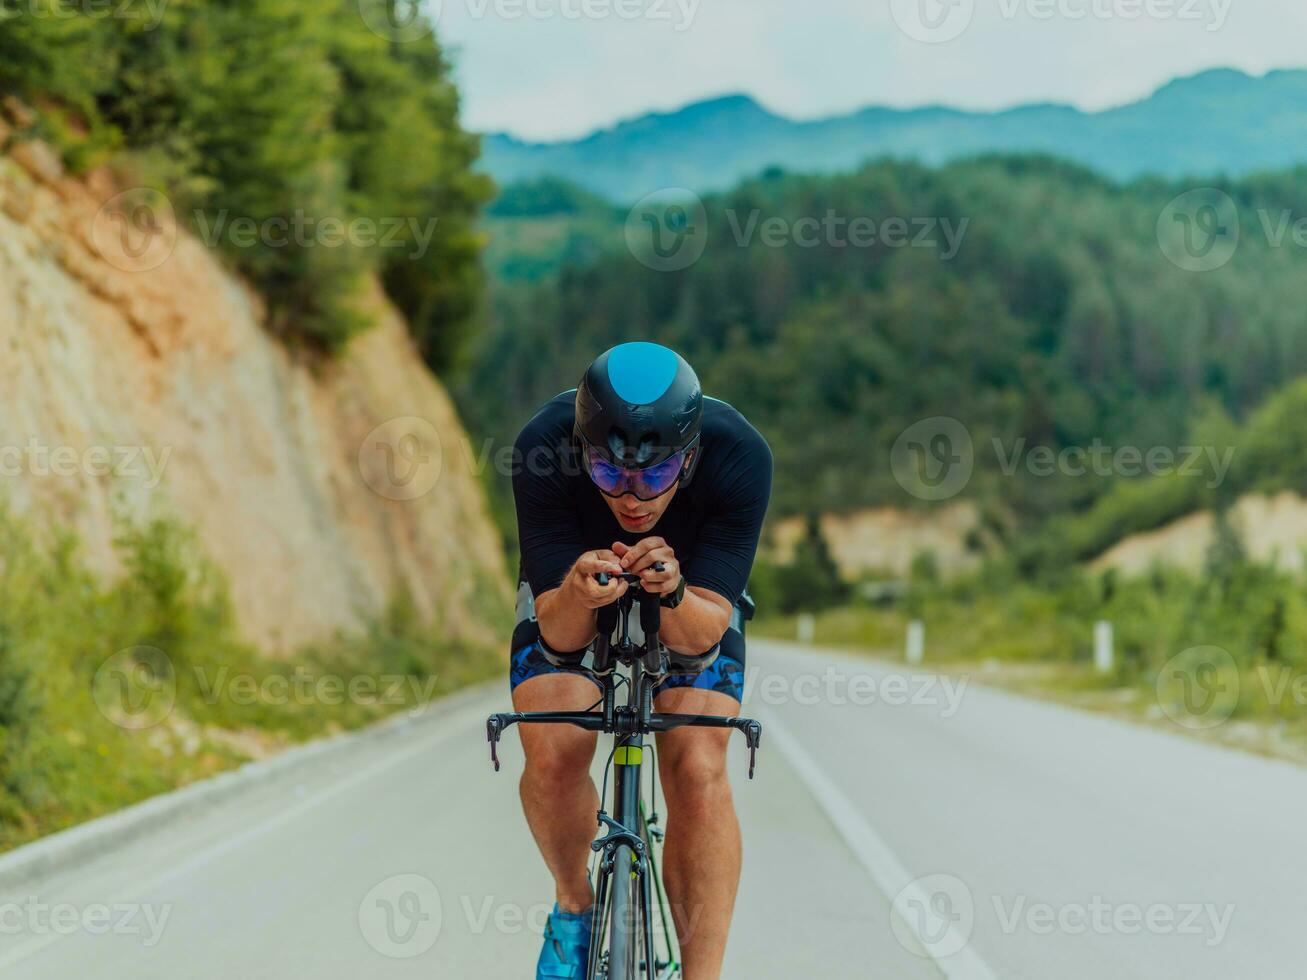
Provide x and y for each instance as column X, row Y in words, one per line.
column 1272, row 527
column 138, row 377
column 888, row 539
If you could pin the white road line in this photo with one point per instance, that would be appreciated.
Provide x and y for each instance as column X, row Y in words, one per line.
column 454, row 725
column 946, row 945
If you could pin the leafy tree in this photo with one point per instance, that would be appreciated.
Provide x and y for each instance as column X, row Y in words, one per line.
column 286, row 114
column 811, row 580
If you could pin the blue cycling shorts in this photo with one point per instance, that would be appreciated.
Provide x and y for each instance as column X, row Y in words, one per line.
column 725, row 674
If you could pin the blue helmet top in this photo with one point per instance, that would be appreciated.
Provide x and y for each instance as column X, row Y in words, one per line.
column 639, row 404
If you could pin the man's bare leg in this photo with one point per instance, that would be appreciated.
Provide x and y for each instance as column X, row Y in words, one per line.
column 701, row 859
column 558, row 795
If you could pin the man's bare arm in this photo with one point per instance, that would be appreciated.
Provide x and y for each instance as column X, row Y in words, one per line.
column 698, row 623
column 567, row 614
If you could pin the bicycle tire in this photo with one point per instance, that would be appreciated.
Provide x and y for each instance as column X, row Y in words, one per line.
column 625, row 921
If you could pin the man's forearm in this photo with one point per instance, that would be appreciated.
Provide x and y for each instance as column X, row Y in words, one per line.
column 696, row 625
column 565, row 625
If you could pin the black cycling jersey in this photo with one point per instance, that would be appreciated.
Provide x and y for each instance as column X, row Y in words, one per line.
column 713, row 523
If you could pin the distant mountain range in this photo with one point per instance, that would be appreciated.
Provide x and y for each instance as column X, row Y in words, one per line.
column 1220, row 121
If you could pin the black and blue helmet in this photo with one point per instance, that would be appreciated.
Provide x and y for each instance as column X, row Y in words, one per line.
column 639, row 406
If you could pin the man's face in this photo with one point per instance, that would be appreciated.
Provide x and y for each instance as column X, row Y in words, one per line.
column 639, row 516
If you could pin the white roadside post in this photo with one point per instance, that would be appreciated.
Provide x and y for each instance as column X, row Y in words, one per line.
column 1103, row 658
column 807, row 627
column 916, row 648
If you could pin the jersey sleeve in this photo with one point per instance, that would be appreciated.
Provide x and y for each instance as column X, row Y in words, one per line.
column 723, row 555
column 548, row 529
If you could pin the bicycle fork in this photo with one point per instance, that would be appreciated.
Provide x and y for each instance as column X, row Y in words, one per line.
column 624, row 852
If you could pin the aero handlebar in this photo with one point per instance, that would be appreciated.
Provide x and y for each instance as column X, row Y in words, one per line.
column 603, row 578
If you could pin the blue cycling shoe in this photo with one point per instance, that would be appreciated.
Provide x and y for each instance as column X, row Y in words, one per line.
column 567, row 946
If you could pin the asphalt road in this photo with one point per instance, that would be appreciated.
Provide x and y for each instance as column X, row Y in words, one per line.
column 898, row 828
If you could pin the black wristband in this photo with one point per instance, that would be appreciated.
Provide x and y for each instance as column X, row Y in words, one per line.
column 676, row 598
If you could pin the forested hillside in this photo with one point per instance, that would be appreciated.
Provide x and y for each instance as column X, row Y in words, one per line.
column 1040, row 309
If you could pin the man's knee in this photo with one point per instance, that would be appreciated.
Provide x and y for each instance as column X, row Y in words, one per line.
column 696, row 770
column 556, row 754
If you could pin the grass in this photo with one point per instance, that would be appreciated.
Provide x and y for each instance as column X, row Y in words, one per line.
column 114, row 691
column 1238, row 633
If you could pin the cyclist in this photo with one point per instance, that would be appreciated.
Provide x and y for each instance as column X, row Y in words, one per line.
column 632, row 468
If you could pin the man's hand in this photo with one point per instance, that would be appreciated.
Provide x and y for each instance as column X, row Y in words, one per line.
column 641, row 557
column 581, row 586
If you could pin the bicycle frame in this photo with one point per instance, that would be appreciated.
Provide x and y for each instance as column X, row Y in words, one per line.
column 622, row 840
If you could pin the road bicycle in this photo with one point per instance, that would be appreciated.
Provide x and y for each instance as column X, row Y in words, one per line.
column 625, row 874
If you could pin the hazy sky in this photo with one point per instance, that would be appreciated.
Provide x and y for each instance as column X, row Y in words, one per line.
column 550, row 69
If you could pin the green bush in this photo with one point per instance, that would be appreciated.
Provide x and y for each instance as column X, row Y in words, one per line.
column 808, row 582
column 69, row 639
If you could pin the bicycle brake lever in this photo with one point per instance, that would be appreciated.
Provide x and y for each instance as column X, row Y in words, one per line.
column 753, row 738
column 494, row 728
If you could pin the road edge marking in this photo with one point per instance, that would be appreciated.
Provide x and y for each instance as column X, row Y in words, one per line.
column 451, row 725
column 873, row 853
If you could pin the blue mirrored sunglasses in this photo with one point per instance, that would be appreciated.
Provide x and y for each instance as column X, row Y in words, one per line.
column 645, row 484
